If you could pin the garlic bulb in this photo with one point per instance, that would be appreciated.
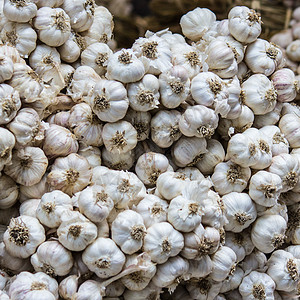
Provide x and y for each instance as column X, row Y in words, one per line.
column 118, row 161
column 270, row 118
column 104, row 258
column 53, row 26
column 92, row 154
column 289, row 126
column 69, row 174
column 28, row 166
column 8, row 195
column 6, row 68
column 53, row 259
column 203, row 288
column 124, row 66
column 109, row 100
column 68, row 286
column 7, row 143
column 268, row 232
column 244, row 24
column 29, row 207
column 234, row 91
column 292, row 51
column 23, row 235
column 128, row 231
column 96, row 56
column 232, row 281
column 230, row 177
column 19, row 11
column 265, row 188
column 149, row 291
column 165, row 128
column 240, row 211
column 143, row 95
column 75, row 231
column 51, row 207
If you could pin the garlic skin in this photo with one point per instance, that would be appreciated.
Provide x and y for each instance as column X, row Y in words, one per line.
column 29, row 207
column 9, row 195
column 265, row 188
column 231, row 282
column 75, row 231
column 6, row 68
column 68, row 286
column 257, row 285
column 52, row 258
column 69, row 174
column 9, row 104
column 259, row 94
column 19, row 13
column 144, row 95
column 28, row 166
column 203, row 288
column 270, row 118
column 7, row 143
column 152, row 209
column 124, row 66
column 104, row 258
column 85, row 125
column 174, row 86
column 128, row 231
column 197, row 22
column 109, row 100
column 283, row 268
column 165, row 128
column 81, row 13
column 53, row 26
column 293, row 52
column 268, row 232
column 23, row 235
column 33, row 286
column 118, row 161
column 96, row 56
column 289, row 126
column 51, row 207
column 95, row 203
column 199, row 121
column 244, row 24
column 240, row 211
column 162, row 241
column 92, row 154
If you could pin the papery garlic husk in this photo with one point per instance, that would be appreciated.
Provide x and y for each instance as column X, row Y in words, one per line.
column 200, row 268
column 53, row 26
column 144, row 95
column 270, row 118
column 162, row 241
column 92, row 154
column 203, row 288
column 108, row 100
column 165, row 128
column 240, row 211
column 268, row 232
column 29, row 207
column 236, row 47
column 51, row 207
column 293, row 52
column 128, row 231
column 259, row 93
column 290, row 108
column 27, row 82
column 89, row 289
column 154, row 52
column 81, row 13
column 240, row 243
column 137, row 281
column 256, row 261
column 122, row 161
column 75, row 231
column 9, row 193
column 289, row 126
column 61, row 118
column 124, row 66
column 152, row 209
column 170, row 273
column 232, row 281
column 224, row 261
column 149, row 166
column 19, row 12
column 28, row 165
column 96, row 56
column 230, row 177
column 265, row 188
column 283, row 268
column 69, row 174
column 192, row 173
column 53, row 259
column 95, row 203
column 257, row 285
column 278, row 209
column 244, row 24
column 7, row 143
column 68, row 286
column 6, row 68
column 199, row 121
column 20, row 36
column 174, row 86
column 23, row 235
column 33, row 286
column 104, row 258
column 195, row 23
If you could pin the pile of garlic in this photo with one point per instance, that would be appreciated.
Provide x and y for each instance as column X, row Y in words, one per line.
column 169, row 170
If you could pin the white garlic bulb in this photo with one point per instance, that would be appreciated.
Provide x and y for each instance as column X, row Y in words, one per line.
column 23, row 235
column 92, row 154
column 52, row 258
column 256, row 261
column 268, row 232
column 9, row 194
column 203, row 288
column 292, row 51
column 234, row 91
column 104, row 257
column 22, row 12
column 118, row 161
column 68, row 286
column 6, row 68
column 289, row 126
column 270, row 118
column 53, row 26
column 29, row 207
column 7, row 143
column 231, row 282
